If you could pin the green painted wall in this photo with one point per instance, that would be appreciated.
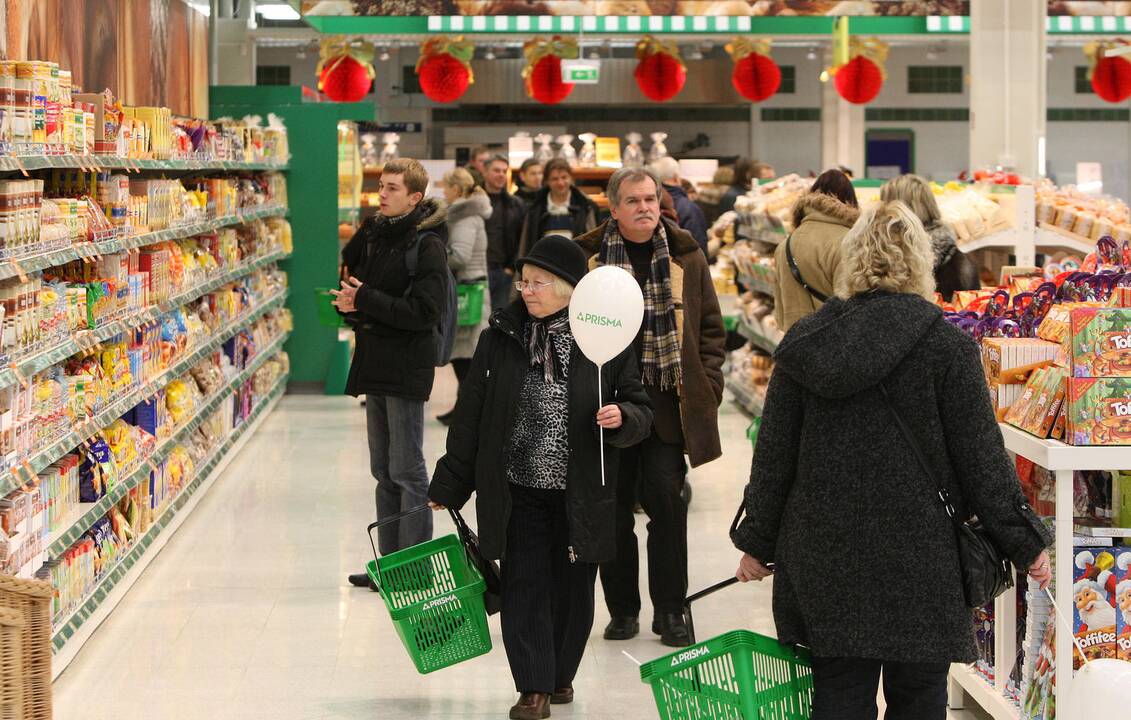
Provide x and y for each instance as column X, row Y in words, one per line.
column 312, row 191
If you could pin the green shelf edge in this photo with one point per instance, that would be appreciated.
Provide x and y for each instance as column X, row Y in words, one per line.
column 46, row 457
column 80, row 615
column 99, row 508
column 9, row 163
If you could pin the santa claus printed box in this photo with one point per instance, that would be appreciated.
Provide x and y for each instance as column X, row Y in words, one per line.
column 1093, row 593
column 1123, row 602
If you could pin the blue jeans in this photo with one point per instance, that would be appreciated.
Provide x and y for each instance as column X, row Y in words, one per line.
column 500, row 285
column 396, row 460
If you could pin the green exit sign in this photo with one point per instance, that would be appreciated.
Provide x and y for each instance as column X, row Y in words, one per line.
column 581, row 72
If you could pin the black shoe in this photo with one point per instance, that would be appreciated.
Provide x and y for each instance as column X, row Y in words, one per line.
column 446, row 418
column 362, row 580
column 622, row 627
column 672, row 629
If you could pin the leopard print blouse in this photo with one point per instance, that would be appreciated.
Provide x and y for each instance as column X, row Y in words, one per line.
column 539, row 449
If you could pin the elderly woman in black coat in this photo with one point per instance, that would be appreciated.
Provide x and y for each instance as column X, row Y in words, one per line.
column 866, row 569
column 525, row 439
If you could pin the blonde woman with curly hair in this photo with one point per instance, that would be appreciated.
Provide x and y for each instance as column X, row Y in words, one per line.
column 863, row 553
column 953, row 270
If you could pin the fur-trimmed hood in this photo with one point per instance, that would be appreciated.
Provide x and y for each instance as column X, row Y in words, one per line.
column 823, row 208
column 478, row 204
column 680, row 242
column 434, row 213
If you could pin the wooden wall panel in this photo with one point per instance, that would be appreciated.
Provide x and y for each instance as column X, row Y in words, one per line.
column 149, row 52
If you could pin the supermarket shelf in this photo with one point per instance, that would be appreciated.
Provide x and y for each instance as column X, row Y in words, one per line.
column 746, row 331
column 758, row 285
column 82, row 521
column 1052, row 236
column 107, row 162
column 1055, row 455
column 17, row 266
column 88, row 338
column 746, row 397
column 985, row 695
column 16, row 477
column 69, row 636
column 1003, row 240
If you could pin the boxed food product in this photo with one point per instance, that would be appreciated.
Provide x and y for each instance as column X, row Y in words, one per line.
column 1099, row 411
column 1093, row 593
column 1002, row 355
column 1123, row 602
column 1099, row 341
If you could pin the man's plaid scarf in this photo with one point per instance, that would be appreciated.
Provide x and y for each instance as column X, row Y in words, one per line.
column 659, row 358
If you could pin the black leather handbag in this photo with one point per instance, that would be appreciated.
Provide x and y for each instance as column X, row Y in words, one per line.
column 489, row 569
column 986, row 572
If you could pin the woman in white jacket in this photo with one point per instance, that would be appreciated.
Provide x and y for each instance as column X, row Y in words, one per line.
column 468, row 209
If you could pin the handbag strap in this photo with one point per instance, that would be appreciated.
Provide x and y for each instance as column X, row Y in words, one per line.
column 942, row 492
column 796, row 271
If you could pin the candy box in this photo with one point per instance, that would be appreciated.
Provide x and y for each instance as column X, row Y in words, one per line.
column 1094, row 611
column 1098, row 411
column 1099, row 341
column 1123, row 602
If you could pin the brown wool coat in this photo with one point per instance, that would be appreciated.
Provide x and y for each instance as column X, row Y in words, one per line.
column 699, row 323
column 816, row 248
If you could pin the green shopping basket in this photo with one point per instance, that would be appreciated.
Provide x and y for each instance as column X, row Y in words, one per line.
column 739, row 675
column 435, row 599
column 469, row 298
column 327, row 313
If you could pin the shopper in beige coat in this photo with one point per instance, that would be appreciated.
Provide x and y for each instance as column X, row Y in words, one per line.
column 821, row 218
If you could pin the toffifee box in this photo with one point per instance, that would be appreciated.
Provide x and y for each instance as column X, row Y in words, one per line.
column 1098, row 411
column 1123, row 602
column 1099, row 342
column 1093, row 597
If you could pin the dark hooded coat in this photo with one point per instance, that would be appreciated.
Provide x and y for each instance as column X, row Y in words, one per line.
column 867, row 565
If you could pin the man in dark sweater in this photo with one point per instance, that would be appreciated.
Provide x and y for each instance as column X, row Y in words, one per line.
column 504, row 228
column 394, row 319
column 681, row 350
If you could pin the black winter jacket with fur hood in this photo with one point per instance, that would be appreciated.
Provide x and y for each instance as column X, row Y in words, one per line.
column 395, row 344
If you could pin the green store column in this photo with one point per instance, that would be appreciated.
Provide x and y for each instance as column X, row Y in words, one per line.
column 312, row 193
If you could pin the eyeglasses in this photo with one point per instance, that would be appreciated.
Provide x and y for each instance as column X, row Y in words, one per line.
column 522, row 285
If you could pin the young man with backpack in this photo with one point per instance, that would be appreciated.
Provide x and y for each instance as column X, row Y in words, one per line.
column 399, row 298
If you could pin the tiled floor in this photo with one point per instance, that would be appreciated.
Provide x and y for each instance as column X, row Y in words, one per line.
column 246, row 613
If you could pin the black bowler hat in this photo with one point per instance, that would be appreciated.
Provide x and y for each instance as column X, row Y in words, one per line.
column 558, row 255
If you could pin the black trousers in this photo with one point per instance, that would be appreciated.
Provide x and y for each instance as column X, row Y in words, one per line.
column 652, row 471
column 845, row 689
column 547, row 600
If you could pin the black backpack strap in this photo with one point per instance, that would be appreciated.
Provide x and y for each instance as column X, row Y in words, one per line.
column 817, row 294
column 411, row 262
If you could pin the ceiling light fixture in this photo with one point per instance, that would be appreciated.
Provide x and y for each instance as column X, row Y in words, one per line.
column 811, row 55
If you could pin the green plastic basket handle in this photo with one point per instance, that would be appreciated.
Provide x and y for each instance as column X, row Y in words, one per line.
column 713, row 588
column 460, row 523
column 392, row 518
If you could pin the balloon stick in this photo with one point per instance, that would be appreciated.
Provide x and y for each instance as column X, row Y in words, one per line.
column 601, row 404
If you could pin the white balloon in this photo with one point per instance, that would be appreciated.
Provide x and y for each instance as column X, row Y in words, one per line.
column 1101, row 689
column 605, row 313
